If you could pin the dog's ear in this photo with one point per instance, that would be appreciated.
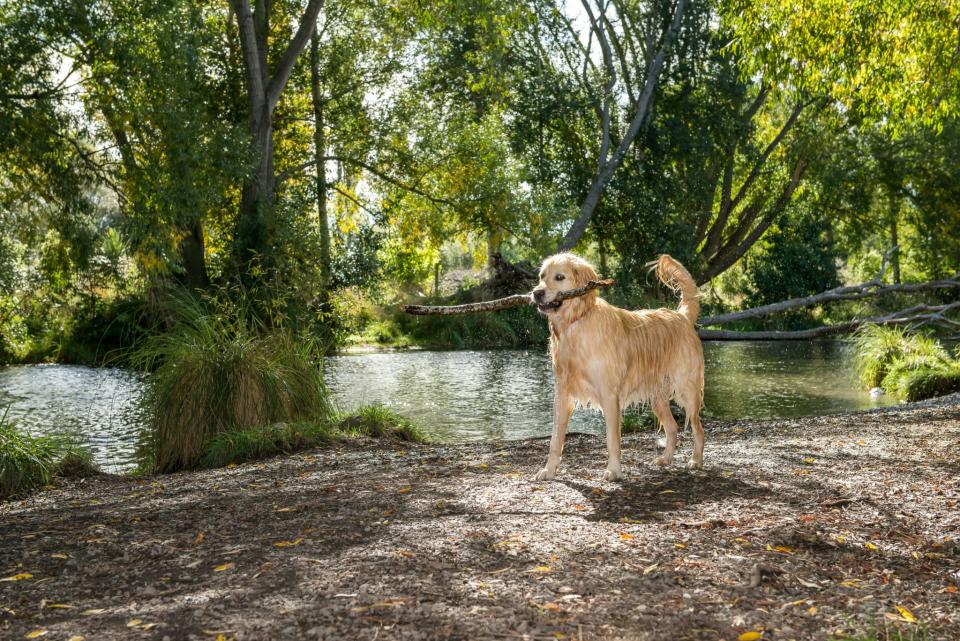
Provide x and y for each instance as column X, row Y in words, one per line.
column 583, row 273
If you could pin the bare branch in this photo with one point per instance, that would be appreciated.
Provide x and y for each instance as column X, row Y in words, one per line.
column 600, row 180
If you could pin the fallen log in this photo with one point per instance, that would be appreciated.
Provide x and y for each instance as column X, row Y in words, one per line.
column 850, row 292
column 517, row 300
column 918, row 314
column 873, row 287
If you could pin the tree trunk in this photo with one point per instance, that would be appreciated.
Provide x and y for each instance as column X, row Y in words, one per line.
column 894, row 240
column 255, row 226
column 320, row 150
column 193, row 259
column 252, row 237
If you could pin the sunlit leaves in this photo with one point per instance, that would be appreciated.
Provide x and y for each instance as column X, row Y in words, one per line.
column 890, row 60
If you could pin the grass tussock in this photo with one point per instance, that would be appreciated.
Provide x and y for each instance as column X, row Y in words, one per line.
column 30, row 462
column 374, row 421
column 214, row 373
column 910, row 365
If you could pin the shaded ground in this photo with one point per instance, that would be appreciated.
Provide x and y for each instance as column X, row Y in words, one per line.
column 799, row 529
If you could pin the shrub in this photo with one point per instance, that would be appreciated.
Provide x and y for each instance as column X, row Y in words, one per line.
column 28, row 462
column 216, row 371
column 924, row 382
column 377, row 421
column 882, row 350
column 374, row 421
column 909, row 365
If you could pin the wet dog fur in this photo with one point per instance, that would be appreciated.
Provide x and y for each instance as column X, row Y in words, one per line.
column 611, row 358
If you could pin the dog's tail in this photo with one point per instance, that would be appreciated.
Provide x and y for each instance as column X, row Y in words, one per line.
column 675, row 276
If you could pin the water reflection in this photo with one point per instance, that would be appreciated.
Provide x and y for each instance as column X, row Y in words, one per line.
column 508, row 394
column 456, row 396
column 98, row 407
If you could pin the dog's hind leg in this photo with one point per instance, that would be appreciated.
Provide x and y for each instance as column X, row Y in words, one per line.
column 611, row 412
column 562, row 409
column 661, row 409
column 696, row 461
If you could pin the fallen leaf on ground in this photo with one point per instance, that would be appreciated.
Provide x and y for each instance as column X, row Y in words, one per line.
column 870, row 546
column 626, row 536
column 288, row 544
column 36, row 634
column 199, row 538
column 18, row 577
column 906, row 614
column 221, row 568
column 59, row 556
column 541, row 568
column 132, row 623
column 752, row 635
column 93, row 612
column 404, row 490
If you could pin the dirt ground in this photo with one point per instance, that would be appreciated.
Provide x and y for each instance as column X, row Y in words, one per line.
column 818, row 528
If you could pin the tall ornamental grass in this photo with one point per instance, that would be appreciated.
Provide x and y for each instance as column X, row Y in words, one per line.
column 215, row 372
column 909, row 365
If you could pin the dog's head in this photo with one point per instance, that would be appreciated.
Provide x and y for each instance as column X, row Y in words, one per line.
column 559, row 273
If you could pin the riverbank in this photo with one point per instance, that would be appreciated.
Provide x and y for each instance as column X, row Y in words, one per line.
column 814, row 528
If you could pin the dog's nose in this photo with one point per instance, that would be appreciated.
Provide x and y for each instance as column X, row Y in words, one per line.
column 538, row 294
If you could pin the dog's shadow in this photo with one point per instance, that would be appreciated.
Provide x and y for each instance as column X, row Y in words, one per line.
column 646, row 499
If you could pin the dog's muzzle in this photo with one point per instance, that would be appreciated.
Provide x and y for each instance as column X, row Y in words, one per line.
column 538, row 296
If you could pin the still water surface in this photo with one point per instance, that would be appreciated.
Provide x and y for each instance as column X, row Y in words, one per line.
column 456, row 396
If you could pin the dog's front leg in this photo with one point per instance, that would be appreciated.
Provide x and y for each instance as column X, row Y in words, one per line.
column 562, row 409
column 611, row 412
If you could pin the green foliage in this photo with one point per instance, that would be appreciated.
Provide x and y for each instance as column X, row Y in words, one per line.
column 909, row 365
column 797, row 259
column 29, row 462
column 636, row 420
column 517, row 327
column 26, row 462
column 916, row 384
column 874, row 56
column 217, row 371
column 378, row 421
column 374, row 421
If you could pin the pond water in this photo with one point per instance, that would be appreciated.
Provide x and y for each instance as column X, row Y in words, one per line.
column 455, row 395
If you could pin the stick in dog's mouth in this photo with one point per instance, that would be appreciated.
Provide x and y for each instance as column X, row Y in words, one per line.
column 543, row 308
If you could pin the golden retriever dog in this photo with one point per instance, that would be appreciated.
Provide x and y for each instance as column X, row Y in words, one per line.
column 610, row 358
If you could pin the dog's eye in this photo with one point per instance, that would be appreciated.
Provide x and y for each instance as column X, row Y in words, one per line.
column 560, row 276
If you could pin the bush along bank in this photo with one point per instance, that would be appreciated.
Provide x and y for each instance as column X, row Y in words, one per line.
column 910, row 365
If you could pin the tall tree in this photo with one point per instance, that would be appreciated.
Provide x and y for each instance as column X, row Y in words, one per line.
column 619, row 50
column 254, row 227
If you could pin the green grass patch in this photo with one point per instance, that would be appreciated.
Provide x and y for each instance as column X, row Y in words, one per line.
column 909, row 365
column 217, row 371
column 373, row 421
column 29, row 462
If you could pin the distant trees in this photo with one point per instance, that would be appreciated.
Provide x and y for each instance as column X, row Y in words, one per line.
column 292, row 145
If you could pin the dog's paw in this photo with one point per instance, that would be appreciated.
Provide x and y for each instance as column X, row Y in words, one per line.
column 694, row 464
column 612, row 475
column 662, row 461
column 546, row 474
